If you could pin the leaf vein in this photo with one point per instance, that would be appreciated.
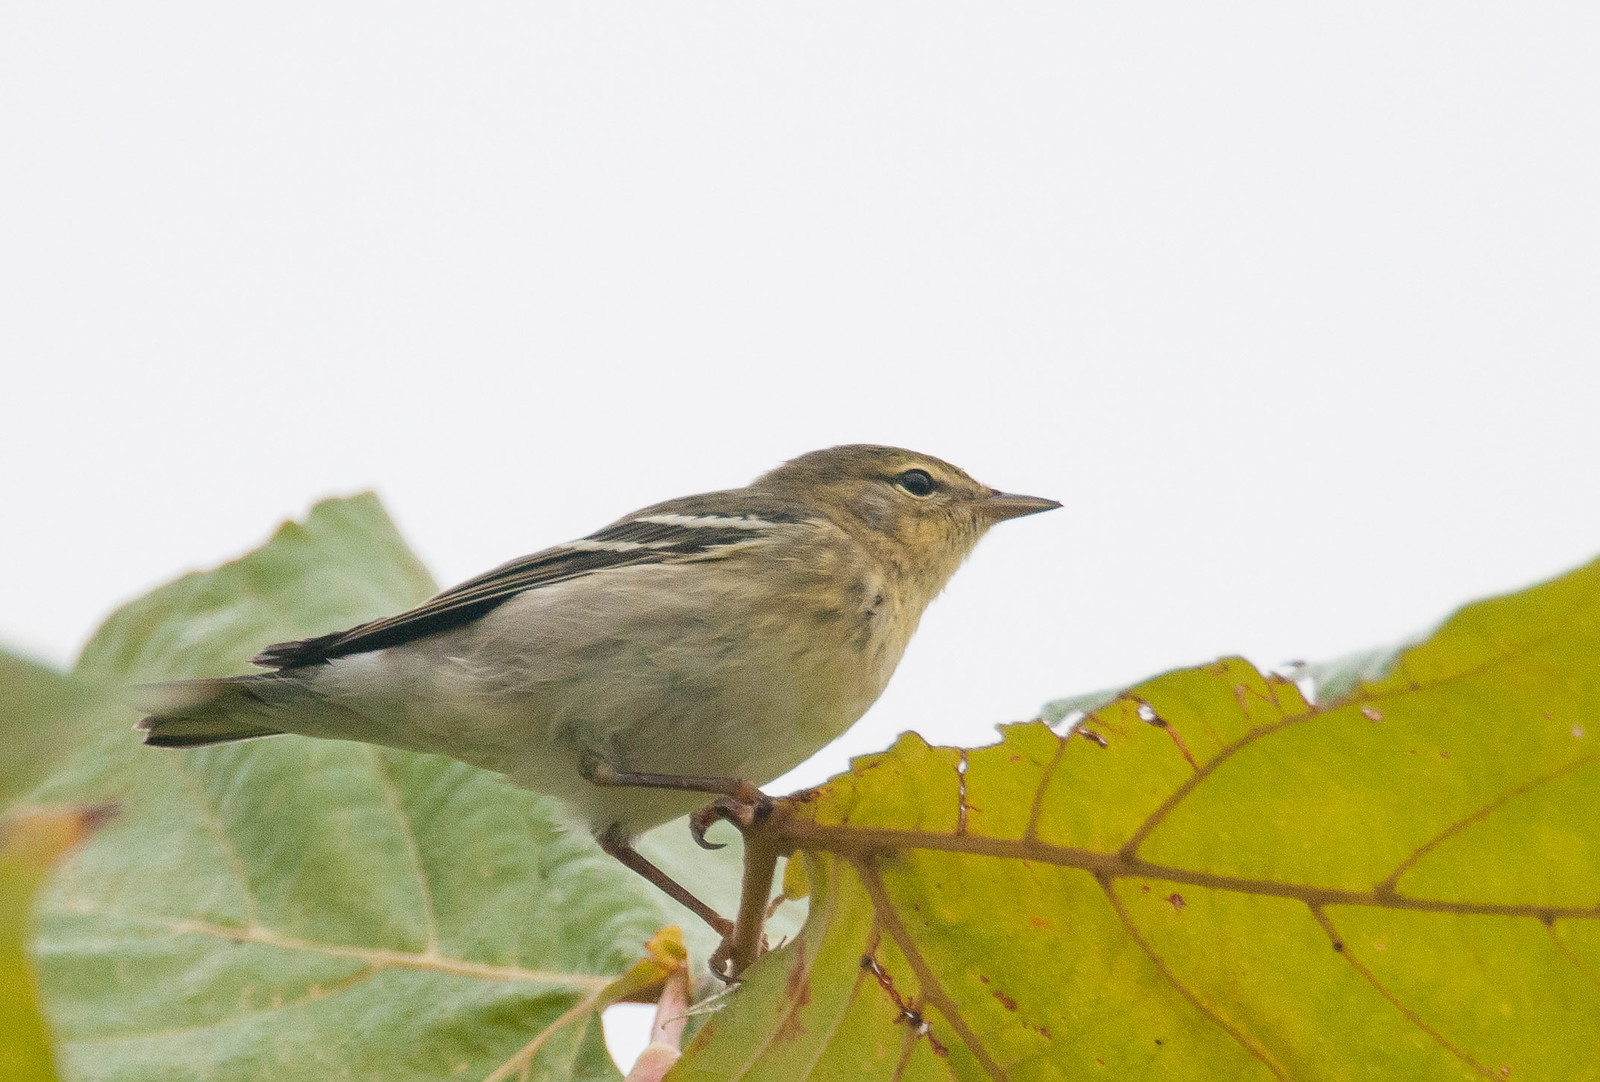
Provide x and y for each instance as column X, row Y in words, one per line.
column 932, row 990
column 1410, row 1015
column 1240, row 1037
column 834, row 1027
column 865, row 843
column 408, row 833
column 256, row 933
column 523, row 1057
column 1031, row 830
column 1388, row 884
column 1357, row 693
column 1563, row 949
column 313, row 995
column 1131, row 847
column 213, row 821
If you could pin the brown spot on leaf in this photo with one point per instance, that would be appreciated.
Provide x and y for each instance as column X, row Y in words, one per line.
column 1177, row 902
column 798, row 986
column 1040, row 923
column 1005, row 1001
column 797, row 991
column 1183, row 749
column 1091, row 735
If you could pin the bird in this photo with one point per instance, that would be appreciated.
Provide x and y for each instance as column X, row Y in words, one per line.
column 709, row 643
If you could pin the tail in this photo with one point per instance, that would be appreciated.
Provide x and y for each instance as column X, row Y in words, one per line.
column 196, row 713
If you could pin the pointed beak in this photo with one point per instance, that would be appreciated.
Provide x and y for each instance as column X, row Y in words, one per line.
column 999, row 506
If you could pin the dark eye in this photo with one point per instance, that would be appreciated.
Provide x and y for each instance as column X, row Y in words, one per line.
column 916, row 482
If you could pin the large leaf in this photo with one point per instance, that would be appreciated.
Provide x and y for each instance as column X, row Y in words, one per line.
column 1210, row 877
column 303, row 909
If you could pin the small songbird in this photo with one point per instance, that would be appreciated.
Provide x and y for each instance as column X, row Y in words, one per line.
column 728, row 635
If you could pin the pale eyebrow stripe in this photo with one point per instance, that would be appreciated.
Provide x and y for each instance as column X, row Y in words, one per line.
column 737, row 522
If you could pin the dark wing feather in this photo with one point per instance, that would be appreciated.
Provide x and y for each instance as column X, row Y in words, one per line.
column 452, row 608
column 621, row 544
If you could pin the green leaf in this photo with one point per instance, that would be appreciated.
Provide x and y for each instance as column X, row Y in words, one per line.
column 303, row 909
column 44, row 715
column 1209, row 877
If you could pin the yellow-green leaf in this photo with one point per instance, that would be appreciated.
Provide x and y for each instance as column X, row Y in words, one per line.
column 1208, row 876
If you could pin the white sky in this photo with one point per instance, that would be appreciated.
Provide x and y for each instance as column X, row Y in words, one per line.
column 1296, row 310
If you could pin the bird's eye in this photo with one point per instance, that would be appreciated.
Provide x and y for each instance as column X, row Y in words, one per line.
column 916, row 482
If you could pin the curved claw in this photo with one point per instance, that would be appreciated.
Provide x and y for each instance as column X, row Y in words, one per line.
column 732, row 809
column 743, row 811
column 719, row 961
column 699, row 823
column 722, row 958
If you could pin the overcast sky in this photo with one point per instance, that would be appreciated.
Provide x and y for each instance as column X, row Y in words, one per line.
column 1295, row 310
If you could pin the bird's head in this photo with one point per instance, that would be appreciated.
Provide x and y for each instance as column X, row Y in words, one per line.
column 919, row 513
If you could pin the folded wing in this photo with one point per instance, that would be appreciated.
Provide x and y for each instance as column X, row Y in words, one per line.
column 656, row 535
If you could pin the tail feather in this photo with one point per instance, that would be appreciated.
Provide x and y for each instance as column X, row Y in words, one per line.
column 196, row 713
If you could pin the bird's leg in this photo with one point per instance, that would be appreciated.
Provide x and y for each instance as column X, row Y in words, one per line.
column 602, row 773
column 739, row 802
column 613, row 841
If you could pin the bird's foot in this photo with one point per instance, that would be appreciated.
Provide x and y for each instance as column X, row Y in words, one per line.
column 744, row 808
column 722, row 963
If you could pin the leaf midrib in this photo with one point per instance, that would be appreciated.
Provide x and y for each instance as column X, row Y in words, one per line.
column 378, row 956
